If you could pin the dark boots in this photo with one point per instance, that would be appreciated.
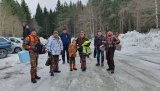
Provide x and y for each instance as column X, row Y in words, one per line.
column 52, row 74
column 33, row 80
column 37, row 77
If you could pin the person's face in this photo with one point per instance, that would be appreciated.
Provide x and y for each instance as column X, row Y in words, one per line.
column 24, row 24
column 74, row 42
column 64, row 31
column 82, row 35
column 34, row 33
column 55, row 35
column 99, row 33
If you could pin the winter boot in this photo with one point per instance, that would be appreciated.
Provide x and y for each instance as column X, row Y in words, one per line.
column 33, row 80
column 52, row 74
column 75, row 68
column 71, row 69
column 84, row 69
column 108, row 69
column 38, row 78
column 97, row 64
column 112, row 71
column 57, row 71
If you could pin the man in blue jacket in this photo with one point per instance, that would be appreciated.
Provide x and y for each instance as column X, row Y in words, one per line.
column 66, row 39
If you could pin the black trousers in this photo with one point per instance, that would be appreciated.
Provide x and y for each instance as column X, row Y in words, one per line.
column 110, row 58
column 65, row 50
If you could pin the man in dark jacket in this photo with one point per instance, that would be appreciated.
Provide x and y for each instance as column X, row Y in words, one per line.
column 98, row 41
column 66, row 39
column 26, row 30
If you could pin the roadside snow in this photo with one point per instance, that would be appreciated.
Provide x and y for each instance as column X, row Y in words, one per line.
column 150, row 40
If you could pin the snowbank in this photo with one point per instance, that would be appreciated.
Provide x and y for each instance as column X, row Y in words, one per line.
column 133, row 38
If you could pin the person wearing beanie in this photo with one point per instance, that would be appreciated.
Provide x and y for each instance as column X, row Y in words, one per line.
column 66, row 39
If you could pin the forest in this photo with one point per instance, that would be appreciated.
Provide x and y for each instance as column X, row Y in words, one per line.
column 116, row 15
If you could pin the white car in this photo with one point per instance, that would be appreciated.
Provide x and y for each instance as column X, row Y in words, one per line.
column 16, row 44
column 15, row 40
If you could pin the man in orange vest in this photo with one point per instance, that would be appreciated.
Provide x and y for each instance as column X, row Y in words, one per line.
column 30, row 43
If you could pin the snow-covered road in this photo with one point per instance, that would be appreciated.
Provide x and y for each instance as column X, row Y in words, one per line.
column 136, row 70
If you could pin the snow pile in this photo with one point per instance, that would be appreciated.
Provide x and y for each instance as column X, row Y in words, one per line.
column 134, row 38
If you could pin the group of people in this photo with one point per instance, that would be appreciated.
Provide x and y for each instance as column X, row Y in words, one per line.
column 109, row 43
column 62, row 45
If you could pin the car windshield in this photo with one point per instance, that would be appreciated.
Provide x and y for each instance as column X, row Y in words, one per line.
column 2, row 40
column 15, row 40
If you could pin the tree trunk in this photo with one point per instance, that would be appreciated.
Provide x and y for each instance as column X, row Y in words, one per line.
column 156, row 10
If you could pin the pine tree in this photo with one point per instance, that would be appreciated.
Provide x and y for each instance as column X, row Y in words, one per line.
column 26, row 12
column 39, row 15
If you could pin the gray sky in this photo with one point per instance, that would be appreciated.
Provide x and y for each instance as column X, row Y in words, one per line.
column 50, row 4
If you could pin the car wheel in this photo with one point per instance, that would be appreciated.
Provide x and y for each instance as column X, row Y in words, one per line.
column 17, row 49
column 3, row 53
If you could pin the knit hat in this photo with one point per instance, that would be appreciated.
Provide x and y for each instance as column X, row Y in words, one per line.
column 55, row 32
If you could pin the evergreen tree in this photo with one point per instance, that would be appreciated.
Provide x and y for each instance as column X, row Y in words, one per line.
column 39, row 15
column 26, row 12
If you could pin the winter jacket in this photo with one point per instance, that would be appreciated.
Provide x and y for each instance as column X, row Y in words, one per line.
column 66, row 39
column 55, row 45
column 80, row 41
column 99, row 40
column 30, row 43
column 72, row 50
column 112, row 42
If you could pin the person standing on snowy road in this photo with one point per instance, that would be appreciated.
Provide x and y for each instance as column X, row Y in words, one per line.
column 111, row 42
column 30, row 43
column 80, row 42
column 66, row 39
column 98, row 41
column 72, row 54
column 55, row 46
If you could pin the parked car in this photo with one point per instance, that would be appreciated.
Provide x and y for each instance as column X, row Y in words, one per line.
column 16, row 47
column 15, row 40
column 5, row 47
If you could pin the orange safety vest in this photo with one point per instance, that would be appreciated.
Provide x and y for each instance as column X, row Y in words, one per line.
column 30, row 41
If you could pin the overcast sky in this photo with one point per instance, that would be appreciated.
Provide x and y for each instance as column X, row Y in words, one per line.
column 50, row 4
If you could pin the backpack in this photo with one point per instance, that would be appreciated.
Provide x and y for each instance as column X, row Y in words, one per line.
column 40, row 48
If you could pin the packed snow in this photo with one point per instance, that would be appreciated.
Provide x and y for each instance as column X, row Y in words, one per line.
column 137, row 69
column 149, row 40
